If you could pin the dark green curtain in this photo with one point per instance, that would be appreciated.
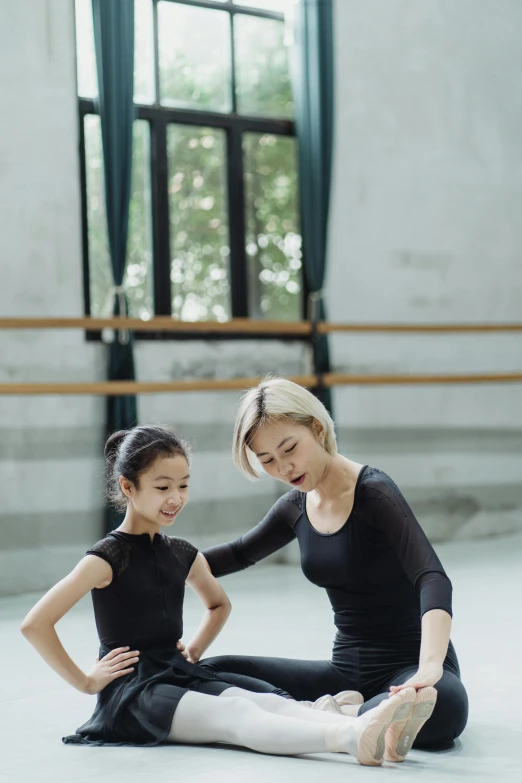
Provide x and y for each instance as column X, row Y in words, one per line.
column 114, row 43
column 313, row 74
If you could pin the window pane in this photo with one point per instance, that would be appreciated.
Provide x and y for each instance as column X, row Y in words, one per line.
column 194, row 55
column 198, row 223
column 263, row 76
column 85, row 57
column 138, row 277
column 143, row 52
column 283, row 6
column 273, row 241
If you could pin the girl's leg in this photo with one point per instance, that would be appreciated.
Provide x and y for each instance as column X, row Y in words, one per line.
column 200, row 718
column 303, row 680
column 278, row 705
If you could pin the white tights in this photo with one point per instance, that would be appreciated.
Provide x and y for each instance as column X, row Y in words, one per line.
column 260, row 721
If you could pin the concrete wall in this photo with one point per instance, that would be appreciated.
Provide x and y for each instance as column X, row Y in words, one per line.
column 425, row 228
column 426, row 195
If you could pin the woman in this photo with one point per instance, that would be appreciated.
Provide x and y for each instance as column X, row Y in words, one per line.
column 146, row 691
column 360, row 541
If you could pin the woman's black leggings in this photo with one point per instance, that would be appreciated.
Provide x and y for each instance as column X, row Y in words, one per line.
column 308, row 680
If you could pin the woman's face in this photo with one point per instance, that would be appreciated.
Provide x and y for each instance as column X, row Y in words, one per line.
column 292, row 453
column 162, row 490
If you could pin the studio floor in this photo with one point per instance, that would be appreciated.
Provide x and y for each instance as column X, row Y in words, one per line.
column 276, row 611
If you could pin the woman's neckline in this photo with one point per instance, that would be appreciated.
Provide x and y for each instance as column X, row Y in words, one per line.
column 335, row 532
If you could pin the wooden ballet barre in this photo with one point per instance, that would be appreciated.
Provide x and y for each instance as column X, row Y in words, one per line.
column 122, row 388
column 328, row 328
column 341, row 379
column 162, row 324
column 242, row 325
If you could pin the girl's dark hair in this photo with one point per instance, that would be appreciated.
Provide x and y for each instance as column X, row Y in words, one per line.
column 130, row 453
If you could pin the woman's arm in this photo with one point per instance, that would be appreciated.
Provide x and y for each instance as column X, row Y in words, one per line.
column 436, row 628
column 272, row 533
column 38, row 628
column 217, row 604
column 393, row 516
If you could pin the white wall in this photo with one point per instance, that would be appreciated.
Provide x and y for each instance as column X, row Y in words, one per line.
column 425, row 227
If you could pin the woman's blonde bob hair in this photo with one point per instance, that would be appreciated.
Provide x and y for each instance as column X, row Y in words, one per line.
column 276, row 399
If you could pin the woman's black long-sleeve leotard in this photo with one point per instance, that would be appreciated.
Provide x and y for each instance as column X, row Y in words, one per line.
column 381, row 575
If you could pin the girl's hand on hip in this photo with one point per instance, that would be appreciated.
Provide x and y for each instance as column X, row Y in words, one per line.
column 115, row 664
column 183, row 650
column 429, row 674
column 189, row 655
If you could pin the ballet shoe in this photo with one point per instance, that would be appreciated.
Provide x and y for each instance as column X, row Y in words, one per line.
column 366, row 738
column 348, row 698
column 335, row 703
column 401, row 734
column 324, row 703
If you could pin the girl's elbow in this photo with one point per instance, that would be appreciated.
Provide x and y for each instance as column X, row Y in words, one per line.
column 31, row 627
column 227, row 606
column 27, row 628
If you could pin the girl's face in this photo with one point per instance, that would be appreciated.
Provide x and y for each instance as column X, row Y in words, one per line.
column 162, row 490
column 292, row 453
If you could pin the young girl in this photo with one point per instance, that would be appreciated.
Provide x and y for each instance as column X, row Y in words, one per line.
column 147, row 692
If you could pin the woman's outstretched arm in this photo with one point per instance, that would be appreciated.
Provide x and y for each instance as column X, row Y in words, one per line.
column 38, row 628
column 274, row 532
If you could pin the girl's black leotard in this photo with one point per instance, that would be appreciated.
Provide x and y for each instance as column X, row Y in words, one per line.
column 143, row 608
column 381, row 575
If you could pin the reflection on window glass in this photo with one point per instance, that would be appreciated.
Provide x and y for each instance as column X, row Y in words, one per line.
column 198, row 223
column 263, row 75
column 273, row 241
column 85, row 57
column 143, row 52
column 138, row 276
column 282, row 6
column 194, row 57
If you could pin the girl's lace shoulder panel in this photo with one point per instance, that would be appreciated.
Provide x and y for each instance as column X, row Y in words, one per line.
column 183, row 550
column 114, row 551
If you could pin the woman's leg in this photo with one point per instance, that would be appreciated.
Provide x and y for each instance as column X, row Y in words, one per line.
column 449, row 717
column 239, row 720
column 303, row 680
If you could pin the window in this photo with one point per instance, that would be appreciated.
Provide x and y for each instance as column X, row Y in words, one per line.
column 213, row 226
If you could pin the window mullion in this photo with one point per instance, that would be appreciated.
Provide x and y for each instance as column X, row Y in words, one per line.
column 160, row 216
column 236, row 211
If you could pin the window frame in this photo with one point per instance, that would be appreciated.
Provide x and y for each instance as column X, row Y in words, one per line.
column 159, row 117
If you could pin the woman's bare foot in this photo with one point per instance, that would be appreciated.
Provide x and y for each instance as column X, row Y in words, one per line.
column 401, row 734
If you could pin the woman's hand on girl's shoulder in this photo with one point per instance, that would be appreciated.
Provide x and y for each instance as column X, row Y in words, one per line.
column 116, row 663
